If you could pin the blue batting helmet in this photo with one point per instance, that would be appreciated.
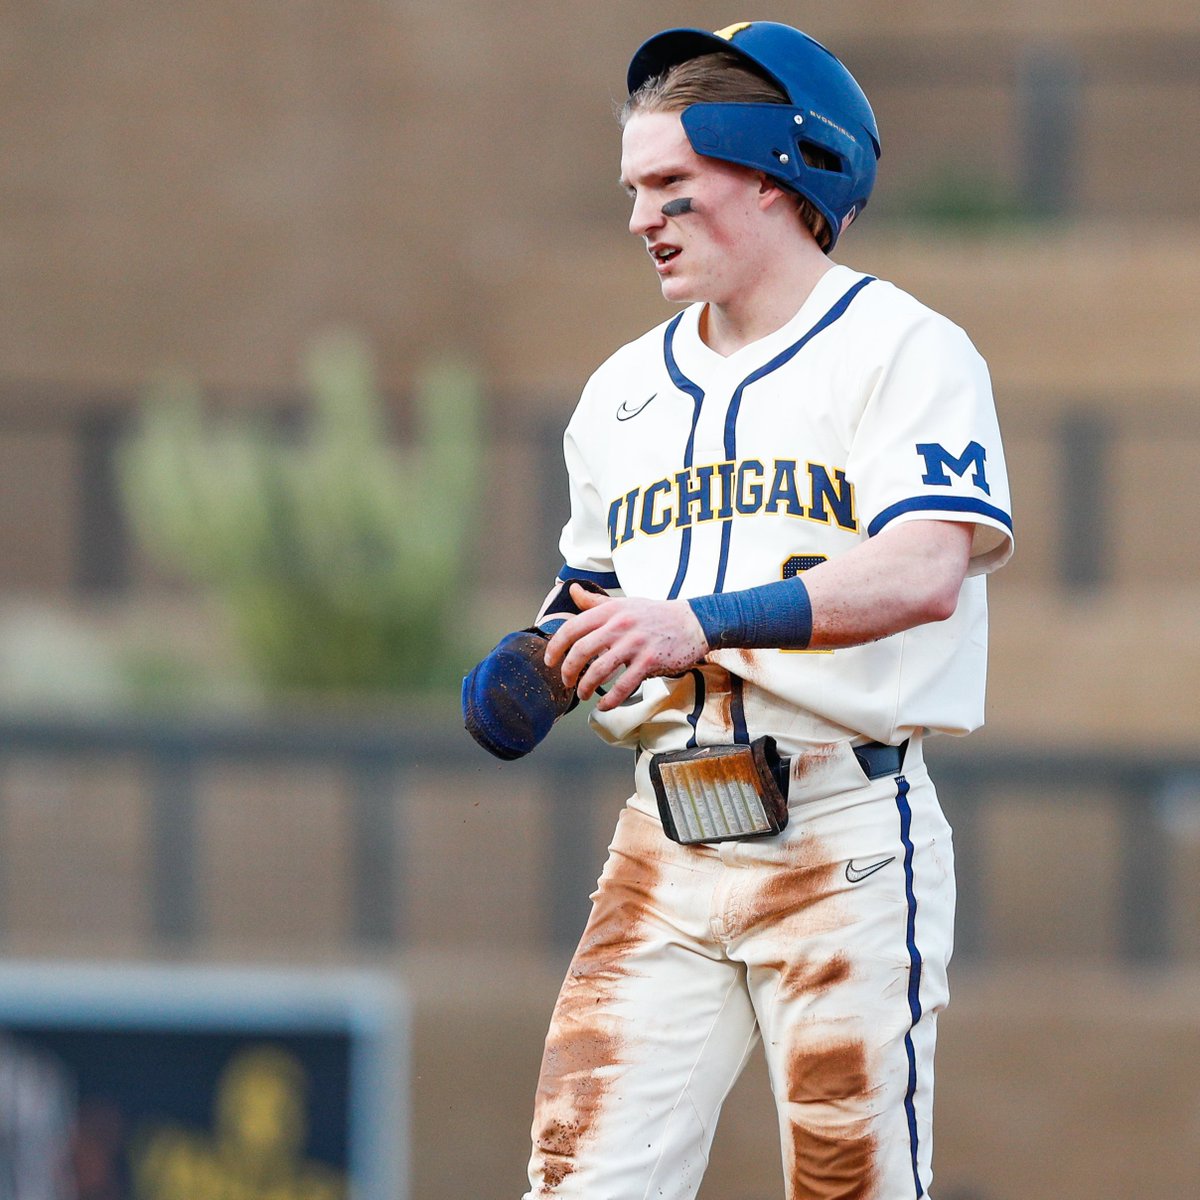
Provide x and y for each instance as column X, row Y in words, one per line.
column 827, row 111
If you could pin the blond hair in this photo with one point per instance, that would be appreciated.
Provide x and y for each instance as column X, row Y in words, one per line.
column 721, row 78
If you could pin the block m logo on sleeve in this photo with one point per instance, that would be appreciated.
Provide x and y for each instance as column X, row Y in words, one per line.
column 938, row 458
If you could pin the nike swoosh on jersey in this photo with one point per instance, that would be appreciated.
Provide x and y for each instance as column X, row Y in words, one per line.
column 856, row 874
column 624, row 412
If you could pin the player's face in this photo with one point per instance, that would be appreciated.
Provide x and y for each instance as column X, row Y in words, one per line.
column 712, row 250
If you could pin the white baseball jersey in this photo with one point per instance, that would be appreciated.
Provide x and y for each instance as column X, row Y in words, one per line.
column 693, row 473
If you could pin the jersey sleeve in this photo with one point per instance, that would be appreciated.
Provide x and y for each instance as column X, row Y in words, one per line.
column 585, row 544
column 928, row 444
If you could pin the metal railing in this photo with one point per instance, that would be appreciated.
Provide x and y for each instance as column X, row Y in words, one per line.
column 1085, row 437
column 377, row 757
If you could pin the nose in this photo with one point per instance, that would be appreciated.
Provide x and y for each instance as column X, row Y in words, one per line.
column 645, row 216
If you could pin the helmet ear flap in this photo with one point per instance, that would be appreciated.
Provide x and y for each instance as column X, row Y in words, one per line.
column 769, row 138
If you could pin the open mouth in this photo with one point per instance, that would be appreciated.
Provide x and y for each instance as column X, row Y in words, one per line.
column 664, row 254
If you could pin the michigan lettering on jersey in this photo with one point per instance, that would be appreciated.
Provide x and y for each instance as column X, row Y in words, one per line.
column 721, row 491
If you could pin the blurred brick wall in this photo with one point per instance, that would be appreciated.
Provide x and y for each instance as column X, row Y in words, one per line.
column 210, row 185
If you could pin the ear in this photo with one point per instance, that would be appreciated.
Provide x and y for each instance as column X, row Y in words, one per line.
column 769, row 192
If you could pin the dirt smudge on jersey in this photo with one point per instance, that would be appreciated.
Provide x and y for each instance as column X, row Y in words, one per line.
column 746, row 664
column 586, row 1042
column 718, row 696
column 810, row 761
column 725, row 711
column 832, row 1150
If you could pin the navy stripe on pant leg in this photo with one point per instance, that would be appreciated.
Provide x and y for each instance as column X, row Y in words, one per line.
column 914, row 975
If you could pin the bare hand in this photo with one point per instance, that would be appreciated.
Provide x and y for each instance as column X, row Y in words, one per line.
column 646, row 637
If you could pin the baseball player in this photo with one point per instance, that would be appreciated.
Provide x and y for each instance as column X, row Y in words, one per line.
column 784, row 503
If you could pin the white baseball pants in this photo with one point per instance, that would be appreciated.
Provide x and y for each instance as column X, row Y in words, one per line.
column 829, row 942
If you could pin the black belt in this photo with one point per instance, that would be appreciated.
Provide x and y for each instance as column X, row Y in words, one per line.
column 878, row 760
column 875, row 759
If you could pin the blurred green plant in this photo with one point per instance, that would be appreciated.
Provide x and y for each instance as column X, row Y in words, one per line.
column 962, row 199
column 338, row 556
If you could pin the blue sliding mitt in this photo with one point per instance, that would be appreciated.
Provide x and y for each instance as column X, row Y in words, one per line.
column 511, row 699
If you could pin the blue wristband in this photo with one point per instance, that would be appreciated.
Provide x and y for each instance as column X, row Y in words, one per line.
column 776, row 616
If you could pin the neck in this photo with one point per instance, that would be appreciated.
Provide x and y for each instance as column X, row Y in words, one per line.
column 775, row 299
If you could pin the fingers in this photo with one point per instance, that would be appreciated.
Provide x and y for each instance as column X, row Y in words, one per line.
column 594, row 645
column 631, row 654
column 585, row 599
column 622, row 689
column 594, row 656
column 645, row 637
column 568, row 633
column 596, row 672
